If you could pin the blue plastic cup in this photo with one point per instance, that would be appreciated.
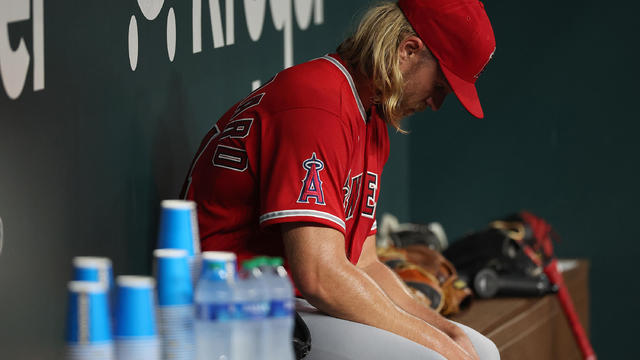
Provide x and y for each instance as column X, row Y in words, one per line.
column 92, row 268
column 173, row 277
column 88, row 333
column 175, row 304
column 178, row 227
column 135, row 331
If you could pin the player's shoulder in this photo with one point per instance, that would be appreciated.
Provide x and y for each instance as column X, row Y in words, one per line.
column 315, row 73
column 316, row 84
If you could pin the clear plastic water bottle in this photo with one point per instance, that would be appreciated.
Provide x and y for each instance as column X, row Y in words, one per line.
column 280, row 319
column 214, row 306
column 251, row 310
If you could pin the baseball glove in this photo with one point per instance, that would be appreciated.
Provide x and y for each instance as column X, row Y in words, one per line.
column 430, row 276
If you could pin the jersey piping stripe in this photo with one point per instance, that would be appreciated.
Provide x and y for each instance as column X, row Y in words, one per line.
column 311, row 213
column 375, row 225
column 351, row 83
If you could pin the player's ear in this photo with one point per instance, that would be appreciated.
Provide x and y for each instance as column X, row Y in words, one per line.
column 409, row 46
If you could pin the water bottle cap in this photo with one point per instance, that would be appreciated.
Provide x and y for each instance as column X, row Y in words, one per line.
column 261, row 260
column 275, row 261
column 248, row 264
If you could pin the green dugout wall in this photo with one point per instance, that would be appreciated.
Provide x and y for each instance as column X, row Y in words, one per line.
column 103, row 104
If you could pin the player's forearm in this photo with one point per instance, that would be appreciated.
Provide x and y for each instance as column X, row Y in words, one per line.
column 344, row 292
column 349, row 293
column 396, row 290
column 331, row 283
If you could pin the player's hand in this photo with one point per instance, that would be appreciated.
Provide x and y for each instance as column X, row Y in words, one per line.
column 463, row 340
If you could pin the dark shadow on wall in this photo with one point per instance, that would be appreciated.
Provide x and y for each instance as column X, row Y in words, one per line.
column 171, row 152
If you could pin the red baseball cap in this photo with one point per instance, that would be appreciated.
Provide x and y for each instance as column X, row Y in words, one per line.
column 459, row 35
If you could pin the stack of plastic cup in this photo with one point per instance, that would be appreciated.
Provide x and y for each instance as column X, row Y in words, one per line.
column 88, row 322
column 178, row 229
column 175, row 304
column 90, row 268
column 99, row 269
column 135, row 331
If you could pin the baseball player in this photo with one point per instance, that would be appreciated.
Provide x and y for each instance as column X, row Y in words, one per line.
column 294, row 168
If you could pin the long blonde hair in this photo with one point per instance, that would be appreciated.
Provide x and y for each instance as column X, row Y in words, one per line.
column 373, row 51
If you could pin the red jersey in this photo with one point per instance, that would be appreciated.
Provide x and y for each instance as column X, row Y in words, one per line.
column 299, row 149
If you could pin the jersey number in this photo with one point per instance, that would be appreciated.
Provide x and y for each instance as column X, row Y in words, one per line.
column 230, row 157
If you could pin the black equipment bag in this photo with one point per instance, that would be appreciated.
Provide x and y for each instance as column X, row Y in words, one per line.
column 494, row 263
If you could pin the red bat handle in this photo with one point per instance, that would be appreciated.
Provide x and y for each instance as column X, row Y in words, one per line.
column 551, row 270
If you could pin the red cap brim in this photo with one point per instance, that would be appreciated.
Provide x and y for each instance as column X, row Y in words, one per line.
column 465, row 92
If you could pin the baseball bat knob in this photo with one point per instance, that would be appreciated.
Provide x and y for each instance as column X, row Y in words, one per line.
column 487, row 283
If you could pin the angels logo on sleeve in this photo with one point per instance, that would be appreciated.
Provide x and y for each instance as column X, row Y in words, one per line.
column 312, row 185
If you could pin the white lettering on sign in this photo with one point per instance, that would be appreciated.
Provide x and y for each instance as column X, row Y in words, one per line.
column 254, row 13
column 283, row 21
column 171, row 34
column 303, row 12
column 282, row 12
column 216, row 24
column 14, row 64
column 38, row 45
column 282, row 17
column 150, row 8
column 133, row 43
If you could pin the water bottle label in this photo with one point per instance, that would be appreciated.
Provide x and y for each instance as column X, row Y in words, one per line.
column 281, row 308
column 215, row 312
column 253, row 310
